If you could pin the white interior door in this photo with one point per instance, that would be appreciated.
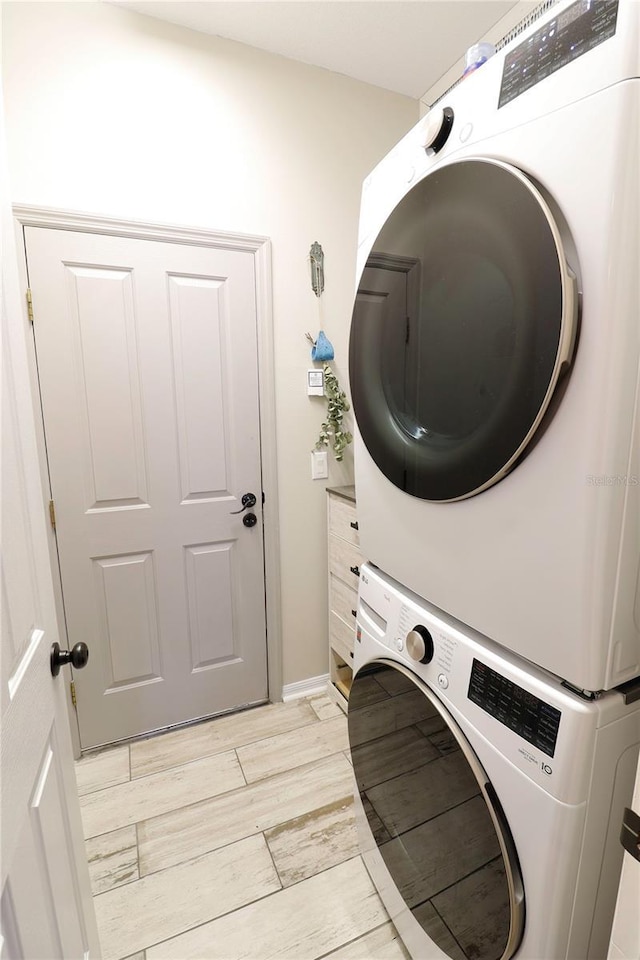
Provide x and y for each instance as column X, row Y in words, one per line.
column 45, row 899
column 147, row 359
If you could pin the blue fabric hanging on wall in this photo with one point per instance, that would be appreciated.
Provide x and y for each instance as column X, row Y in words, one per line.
column 322, row 349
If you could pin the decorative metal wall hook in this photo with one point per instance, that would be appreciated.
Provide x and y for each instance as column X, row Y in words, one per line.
column 316, row 256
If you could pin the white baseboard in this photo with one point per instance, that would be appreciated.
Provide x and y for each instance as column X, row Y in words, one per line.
column 305, row 688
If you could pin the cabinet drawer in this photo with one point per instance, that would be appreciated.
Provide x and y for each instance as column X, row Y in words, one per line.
column 341, row 637
column 342, row 519
column 343, row 600
column 344, row 560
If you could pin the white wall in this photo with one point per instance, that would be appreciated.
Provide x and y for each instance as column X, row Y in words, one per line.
column 115, row 113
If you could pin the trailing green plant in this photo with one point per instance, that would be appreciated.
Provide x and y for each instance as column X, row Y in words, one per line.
column 331, row 432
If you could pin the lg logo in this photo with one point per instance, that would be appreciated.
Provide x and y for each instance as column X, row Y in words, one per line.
column 546, row 769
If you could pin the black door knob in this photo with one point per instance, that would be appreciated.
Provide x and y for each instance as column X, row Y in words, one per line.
column 249, row 519
column 248, row 500
column 77, row 657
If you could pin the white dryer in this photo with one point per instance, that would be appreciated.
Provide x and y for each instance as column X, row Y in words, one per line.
column 495, row 349
column 489, row 798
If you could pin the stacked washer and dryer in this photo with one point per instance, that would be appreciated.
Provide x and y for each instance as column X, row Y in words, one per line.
column 494, row 714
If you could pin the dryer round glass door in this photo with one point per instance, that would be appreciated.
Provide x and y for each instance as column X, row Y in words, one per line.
column 430, row 813
column 464, row 321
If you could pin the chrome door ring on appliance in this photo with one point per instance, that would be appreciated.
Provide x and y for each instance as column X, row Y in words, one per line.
column 464, row 322
column 433, row 814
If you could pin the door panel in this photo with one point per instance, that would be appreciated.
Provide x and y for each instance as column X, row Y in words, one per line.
column 127, row 602
column 147, row 357
column 209, row 575
column 105, row 365
column 45, row 899
column 200, row 355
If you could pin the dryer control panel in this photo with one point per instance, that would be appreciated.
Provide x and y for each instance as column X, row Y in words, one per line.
column 571, row 33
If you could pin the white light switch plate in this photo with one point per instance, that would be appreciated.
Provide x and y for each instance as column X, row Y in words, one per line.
column 315, row 383
column 319, row 465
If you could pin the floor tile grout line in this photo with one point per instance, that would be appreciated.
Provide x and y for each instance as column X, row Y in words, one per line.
column 138, row 849
column 175, row 728
column 106, row 857
column 205, row 922
column 273, row 860
column 224, row 846
column 250, row 903
column 88, row 793
column 158, row 773
column 242, row 771
column 215, row 796
column 308, row 723
column 230, row 843
column 130, row 743
column 220, row 753
column 329, row 953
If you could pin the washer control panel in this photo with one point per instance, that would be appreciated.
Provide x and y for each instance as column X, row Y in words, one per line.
column 516, row 711
column 524, row 713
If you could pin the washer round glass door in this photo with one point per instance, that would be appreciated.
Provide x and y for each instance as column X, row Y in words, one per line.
column 464, row 321
column 433, row 816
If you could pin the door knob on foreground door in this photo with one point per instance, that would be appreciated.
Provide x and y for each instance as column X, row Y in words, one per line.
column 248, row 501
column 249, row 519
column 77, row 657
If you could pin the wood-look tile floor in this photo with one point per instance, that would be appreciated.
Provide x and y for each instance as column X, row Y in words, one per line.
column 231, row 839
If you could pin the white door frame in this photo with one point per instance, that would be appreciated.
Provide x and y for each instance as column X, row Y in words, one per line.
column 260, row 247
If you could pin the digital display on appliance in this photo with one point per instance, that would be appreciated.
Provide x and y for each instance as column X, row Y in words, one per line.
column 521, row 711
column 575, row 31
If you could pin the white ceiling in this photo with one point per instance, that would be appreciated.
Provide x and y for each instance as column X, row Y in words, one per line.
column 402, row 45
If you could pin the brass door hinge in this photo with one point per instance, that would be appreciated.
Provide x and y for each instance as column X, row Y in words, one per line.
column 29, row 305
column 73, row 695
column 52, row 513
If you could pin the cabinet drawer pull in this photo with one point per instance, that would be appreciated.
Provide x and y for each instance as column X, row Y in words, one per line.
column 355, row 570
column 354, row 613
column 354, row 525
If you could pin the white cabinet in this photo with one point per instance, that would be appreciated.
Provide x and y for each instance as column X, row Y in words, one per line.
column 625, row 937
column 344, row 573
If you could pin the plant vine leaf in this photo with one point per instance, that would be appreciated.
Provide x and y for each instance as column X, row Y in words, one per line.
column 331, row 432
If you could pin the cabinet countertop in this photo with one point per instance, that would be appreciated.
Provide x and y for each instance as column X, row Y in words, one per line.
column 347, row 492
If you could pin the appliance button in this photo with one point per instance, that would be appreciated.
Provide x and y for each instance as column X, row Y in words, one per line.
column 466, row 132
column 443, row 681
column 400, row 644
column 420, row 644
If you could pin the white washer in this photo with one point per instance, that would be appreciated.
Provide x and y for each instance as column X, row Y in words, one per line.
column 489, row 798
column 495, row 349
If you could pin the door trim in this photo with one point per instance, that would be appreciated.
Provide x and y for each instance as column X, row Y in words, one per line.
column 260, row 247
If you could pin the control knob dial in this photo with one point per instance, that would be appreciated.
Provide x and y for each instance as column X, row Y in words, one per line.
column 420, row 644
column 436, row 128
